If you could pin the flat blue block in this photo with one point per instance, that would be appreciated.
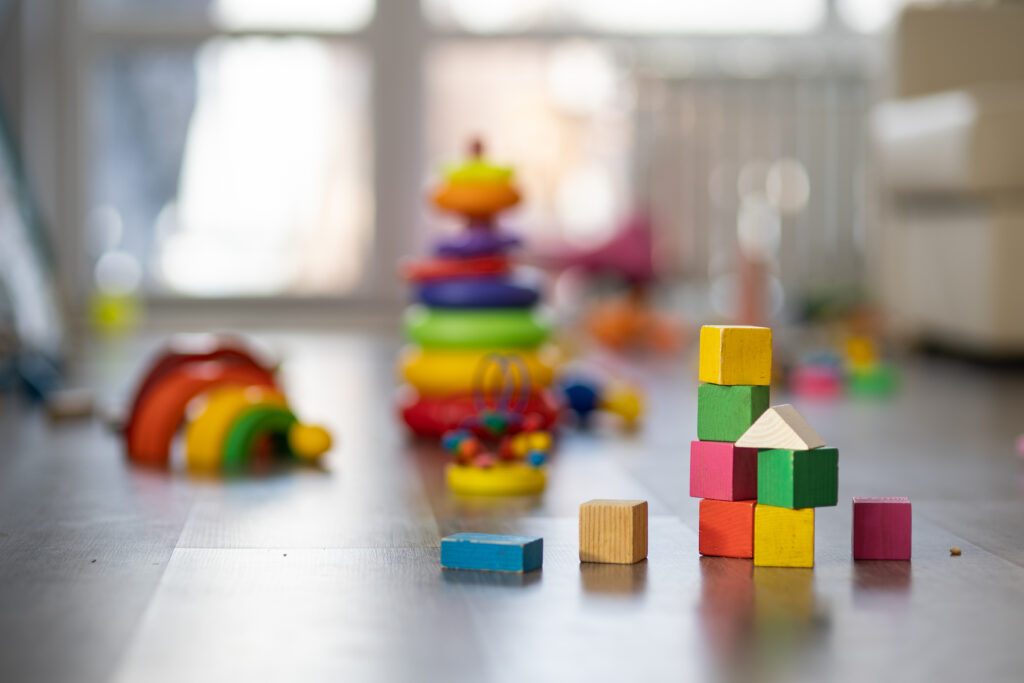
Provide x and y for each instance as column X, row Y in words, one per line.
column 492, row 552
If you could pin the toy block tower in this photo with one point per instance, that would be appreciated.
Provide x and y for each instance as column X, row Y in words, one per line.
column 735, row 372
column 473, row 302
column 795, row 474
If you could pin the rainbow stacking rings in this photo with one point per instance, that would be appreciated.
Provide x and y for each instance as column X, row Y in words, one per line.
column 475, row 310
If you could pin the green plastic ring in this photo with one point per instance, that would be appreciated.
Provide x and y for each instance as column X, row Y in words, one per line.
column 434, row 328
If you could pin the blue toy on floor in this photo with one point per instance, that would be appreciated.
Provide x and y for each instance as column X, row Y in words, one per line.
column 492, row 552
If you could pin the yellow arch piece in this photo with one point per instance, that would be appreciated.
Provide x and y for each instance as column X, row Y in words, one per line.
column 205, row 435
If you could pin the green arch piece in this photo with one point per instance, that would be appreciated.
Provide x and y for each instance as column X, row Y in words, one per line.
column 250, row 425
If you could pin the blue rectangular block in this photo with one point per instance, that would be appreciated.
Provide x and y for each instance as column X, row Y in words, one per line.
column 492, row 552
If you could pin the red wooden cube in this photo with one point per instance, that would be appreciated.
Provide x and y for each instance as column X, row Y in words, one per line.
column 721, row 471
column 881, row 528
column 727, row 528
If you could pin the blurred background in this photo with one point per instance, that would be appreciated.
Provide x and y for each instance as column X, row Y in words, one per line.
column 224, row 160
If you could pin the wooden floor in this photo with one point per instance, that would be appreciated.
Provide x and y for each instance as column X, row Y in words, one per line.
column 112, row 573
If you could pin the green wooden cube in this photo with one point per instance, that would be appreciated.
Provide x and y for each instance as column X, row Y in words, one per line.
column 725, row 412
column 798, row 479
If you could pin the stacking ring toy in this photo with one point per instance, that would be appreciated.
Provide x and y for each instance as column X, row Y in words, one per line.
column 445, row 372
column 476, row 329
column 156, row 419
column 476, row 241
column 241, row 408
column 436, row 269
column 433, row 416
column 514, row 291
column 512, row 479
column 207, row 433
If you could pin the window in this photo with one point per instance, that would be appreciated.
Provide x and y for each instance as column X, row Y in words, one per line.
column 235, row 165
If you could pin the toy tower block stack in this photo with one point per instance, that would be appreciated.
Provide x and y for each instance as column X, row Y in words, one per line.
column 735, row 372
column 473, row 302
column 795, row 474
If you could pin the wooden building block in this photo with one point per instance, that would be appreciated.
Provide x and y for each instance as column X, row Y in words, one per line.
column 613, row 531
column 798, row 479
column 783, row 537
column 492, row 552
column 721, row 471
column 881, row 528
column 735, row 354
column 781, row 427
column 725, row 413
column 727, row 528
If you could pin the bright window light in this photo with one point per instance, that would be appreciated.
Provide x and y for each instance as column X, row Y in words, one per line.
column 699, row 16
column 338, row 15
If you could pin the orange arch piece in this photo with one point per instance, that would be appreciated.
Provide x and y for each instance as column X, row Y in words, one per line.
column 162, row 408
column 186, row 350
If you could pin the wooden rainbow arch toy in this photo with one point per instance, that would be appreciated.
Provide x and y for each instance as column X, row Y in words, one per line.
column 229, row 401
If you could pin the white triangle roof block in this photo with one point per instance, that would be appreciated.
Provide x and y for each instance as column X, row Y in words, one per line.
column 781, row 427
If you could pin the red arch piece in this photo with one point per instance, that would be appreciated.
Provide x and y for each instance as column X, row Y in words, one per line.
column 162, row 408
column 186, row 349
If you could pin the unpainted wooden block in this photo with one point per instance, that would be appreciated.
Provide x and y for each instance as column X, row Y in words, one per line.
column 783, row 537
column 492, row 552
column 881, row 528
column 613, row 531
column 725, row 412
column 798, row 479
column 727, row 528
column 735, row 354
column 721, row 471
column 781, row 427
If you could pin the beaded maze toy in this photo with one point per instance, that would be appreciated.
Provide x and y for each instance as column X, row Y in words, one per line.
column 500, row 449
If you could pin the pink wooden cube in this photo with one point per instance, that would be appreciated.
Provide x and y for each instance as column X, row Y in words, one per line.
column 881, row 528
column 721, row 471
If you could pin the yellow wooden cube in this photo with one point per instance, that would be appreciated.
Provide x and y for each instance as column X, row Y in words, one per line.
column 736, row 354
column 613, row 531
column 783, row 537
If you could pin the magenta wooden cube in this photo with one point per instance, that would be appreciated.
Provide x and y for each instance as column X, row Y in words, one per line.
column 881, row 528
column 721, row 471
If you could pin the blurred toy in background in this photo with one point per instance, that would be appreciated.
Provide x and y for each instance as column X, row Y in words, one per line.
column 235, row 413
column 627, row 321
column 500, row 448
column 867, row 373
column 858, row 371
column 585, row 393
column 472, row 301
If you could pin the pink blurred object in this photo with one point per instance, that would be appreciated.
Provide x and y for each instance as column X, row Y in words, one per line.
column 816, row 381
column 629, row 253
column 1020, row 445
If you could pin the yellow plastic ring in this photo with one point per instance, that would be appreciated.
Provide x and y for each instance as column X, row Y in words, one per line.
column 436, row 372
column 513, row 479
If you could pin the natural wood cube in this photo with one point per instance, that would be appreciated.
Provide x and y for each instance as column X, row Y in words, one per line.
column 735, row 354
column 613, row 531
